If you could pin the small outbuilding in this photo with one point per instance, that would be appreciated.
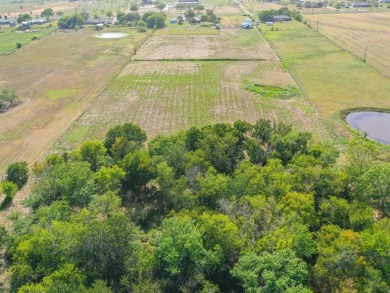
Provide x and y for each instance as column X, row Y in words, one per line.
column 173, row 20
column 281, row 18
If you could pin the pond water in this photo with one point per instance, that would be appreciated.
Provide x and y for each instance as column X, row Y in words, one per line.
column 111, row 35
column 375, row 125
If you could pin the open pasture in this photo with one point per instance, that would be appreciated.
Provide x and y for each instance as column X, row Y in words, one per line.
column 169, row 96
column 57, row 77
column 9, row 37
column 329, row 77
column 231, row 42
column 356, row 31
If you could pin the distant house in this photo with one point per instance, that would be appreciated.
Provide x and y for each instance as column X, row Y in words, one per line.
column 6, row 21
column 281, row 18
column 38, row 21
column 173, row 20
column 247, row 24
column 366, row 4
column 269, row 23
column 189, row 1
column 95, row 21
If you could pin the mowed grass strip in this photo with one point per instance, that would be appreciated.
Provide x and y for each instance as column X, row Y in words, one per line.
column 329, row 77
column 355, row 31
column 170, row 96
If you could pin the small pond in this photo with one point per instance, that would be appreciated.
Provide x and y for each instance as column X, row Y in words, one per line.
column 111, row 35
column 375, row 125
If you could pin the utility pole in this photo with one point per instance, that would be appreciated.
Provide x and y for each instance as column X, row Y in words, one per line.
column 317, row 25
column 365, row 54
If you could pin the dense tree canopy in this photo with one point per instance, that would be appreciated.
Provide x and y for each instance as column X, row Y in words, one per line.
column 222, row 208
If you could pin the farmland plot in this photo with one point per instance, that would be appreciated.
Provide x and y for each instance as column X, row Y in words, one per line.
column 355, row 31
column 57, row 77
column 230, row 43
column 169, row 96
column 329, row 77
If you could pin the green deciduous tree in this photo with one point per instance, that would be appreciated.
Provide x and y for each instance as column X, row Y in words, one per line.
column 123, row 139
column 24, row 17
column 47, row 12
column 72, row 182
column 160, row 5
column 71, row 21
column 139, row 169
column 373, row 187
column 109, row 178
column 181, row 254
column 18, row 173
column 156, row 20
column 280, row 271
column 93, row 152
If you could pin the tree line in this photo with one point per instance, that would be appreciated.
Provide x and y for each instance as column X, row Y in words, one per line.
column 223, row 208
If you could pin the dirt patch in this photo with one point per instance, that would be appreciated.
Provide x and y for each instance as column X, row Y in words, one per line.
column 232, row 43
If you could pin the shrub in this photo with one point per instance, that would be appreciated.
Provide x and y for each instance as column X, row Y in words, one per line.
column 18, row 45
column 18, row 173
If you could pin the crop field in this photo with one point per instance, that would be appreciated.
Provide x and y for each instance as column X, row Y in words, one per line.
column 329, row 77
column 169, row 96
column 355, row 31
column 58, row 77
column 230, row 43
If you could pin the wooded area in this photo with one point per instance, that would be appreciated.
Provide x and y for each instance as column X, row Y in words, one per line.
column 223, row 208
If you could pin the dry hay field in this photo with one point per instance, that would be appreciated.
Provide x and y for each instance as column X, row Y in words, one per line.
column 329, row 77
column 58, row 77
column 226, row 10
column 356, row 30
column 168, row 96
column 231, row 42
column 259, row 6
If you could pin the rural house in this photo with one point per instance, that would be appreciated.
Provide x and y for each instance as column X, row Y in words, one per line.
column 281, row 18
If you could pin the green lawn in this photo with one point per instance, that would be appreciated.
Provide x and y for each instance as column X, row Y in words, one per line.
column 10, row 36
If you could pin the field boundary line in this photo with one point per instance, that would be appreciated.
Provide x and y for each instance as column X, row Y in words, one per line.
column 200, row 59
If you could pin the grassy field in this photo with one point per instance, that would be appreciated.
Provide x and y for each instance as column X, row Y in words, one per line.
column 58, row 78
column 330, row 78
column 356, row 31
column 169, row 96
column 9, row 37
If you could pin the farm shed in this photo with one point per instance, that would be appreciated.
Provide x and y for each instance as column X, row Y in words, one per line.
column 189, row 1
column 281, row 18
column 6, row 22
